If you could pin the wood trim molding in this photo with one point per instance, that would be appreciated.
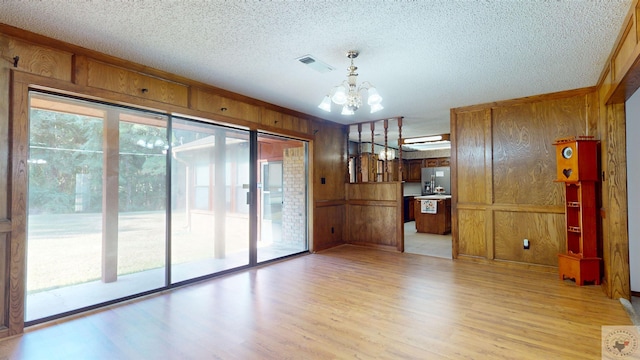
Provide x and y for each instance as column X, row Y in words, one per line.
column 326, row 203
column 375, row 246
column 383, row 203
column 527, row 99
column 19, row 121
column 553, row 209
column 5, row 225
column 66, row 88
column 508, row 264
column 455, row 245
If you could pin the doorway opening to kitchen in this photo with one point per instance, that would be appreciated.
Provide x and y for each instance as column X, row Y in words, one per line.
column 427, row 209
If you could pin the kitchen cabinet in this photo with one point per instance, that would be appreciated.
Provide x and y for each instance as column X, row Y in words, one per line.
column 414, row 173
column 414, row 167
column 438, row 223
column 409, row 208
column 217, row 104
column 431, row 162
column 444, row 161
column 368, row 167
column 121, row 80
column 391, row 170
column 436, row 162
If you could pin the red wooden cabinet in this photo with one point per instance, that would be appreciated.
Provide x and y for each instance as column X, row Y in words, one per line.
column 577, row 168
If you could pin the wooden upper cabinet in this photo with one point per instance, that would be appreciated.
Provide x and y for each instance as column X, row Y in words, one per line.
column 36, row 59
column 113, row 78
column 431, row 162
column 272, row 118
column 214, row 103
column 435, row 162
column 415, row 170
column 280, row 120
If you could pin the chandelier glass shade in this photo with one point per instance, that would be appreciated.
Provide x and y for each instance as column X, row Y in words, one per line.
column 349, row 95
column 387, row 155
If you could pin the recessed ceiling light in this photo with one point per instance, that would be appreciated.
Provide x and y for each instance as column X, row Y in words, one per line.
column 424, row 139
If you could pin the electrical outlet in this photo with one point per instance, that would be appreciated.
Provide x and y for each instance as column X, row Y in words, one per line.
column 525, row 244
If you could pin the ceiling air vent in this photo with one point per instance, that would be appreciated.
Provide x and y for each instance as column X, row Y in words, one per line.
column 315, row 64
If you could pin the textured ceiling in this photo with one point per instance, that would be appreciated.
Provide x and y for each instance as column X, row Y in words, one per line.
column 424, row 57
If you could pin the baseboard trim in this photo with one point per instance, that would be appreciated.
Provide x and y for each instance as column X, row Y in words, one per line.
column 507, row 263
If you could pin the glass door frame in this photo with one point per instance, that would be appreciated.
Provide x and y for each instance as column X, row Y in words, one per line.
column 252, row 197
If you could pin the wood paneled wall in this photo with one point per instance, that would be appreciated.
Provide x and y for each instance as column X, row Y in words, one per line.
column 619, row 79
column 46, row 63
column 329, row 174
column 374, row 215
column 503, row 164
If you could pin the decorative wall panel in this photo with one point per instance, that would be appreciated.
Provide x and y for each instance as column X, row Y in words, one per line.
column 545, row 232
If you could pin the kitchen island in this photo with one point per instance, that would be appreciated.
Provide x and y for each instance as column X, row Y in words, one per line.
column 433, row 215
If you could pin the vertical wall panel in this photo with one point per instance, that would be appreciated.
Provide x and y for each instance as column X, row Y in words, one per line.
column 616, row 244
column 472, row 233
column 470, row 156
column 523, row 152
column 545, row 232
column 374, row 214
column 19, row 155
column 329, row 162
column 4, row 255
column 329, row 231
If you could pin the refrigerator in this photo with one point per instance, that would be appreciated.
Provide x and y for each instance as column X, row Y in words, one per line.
column 433, row 177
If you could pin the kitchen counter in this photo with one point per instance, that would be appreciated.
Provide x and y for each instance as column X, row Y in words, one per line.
column 433, row 197
column 409, row 213
column 438, row 223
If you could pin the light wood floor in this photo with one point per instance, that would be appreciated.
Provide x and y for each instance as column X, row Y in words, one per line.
column 345, row 303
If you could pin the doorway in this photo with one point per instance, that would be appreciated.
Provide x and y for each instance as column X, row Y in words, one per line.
column 282, row 197
column 422, row 243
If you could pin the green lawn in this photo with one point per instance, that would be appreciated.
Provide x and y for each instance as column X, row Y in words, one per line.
column 66, row 249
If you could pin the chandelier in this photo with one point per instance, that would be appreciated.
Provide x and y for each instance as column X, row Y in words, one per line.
column 387, row 154
column 349, row 95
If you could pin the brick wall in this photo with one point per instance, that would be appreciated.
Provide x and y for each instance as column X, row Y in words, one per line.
column 294, row 207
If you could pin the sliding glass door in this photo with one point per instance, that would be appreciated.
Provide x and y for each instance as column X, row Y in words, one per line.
column 124, row 202
column 282, row 197
column 97, row 204
column 209, row 192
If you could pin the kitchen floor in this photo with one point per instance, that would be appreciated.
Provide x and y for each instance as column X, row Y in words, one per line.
column 426, row 244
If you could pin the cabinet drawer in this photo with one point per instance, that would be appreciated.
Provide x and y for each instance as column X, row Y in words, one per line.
column 214, row 103
column 284, row 121
column 36, row 59
column 431, row 162
column 444, row 162
column 128, row 82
